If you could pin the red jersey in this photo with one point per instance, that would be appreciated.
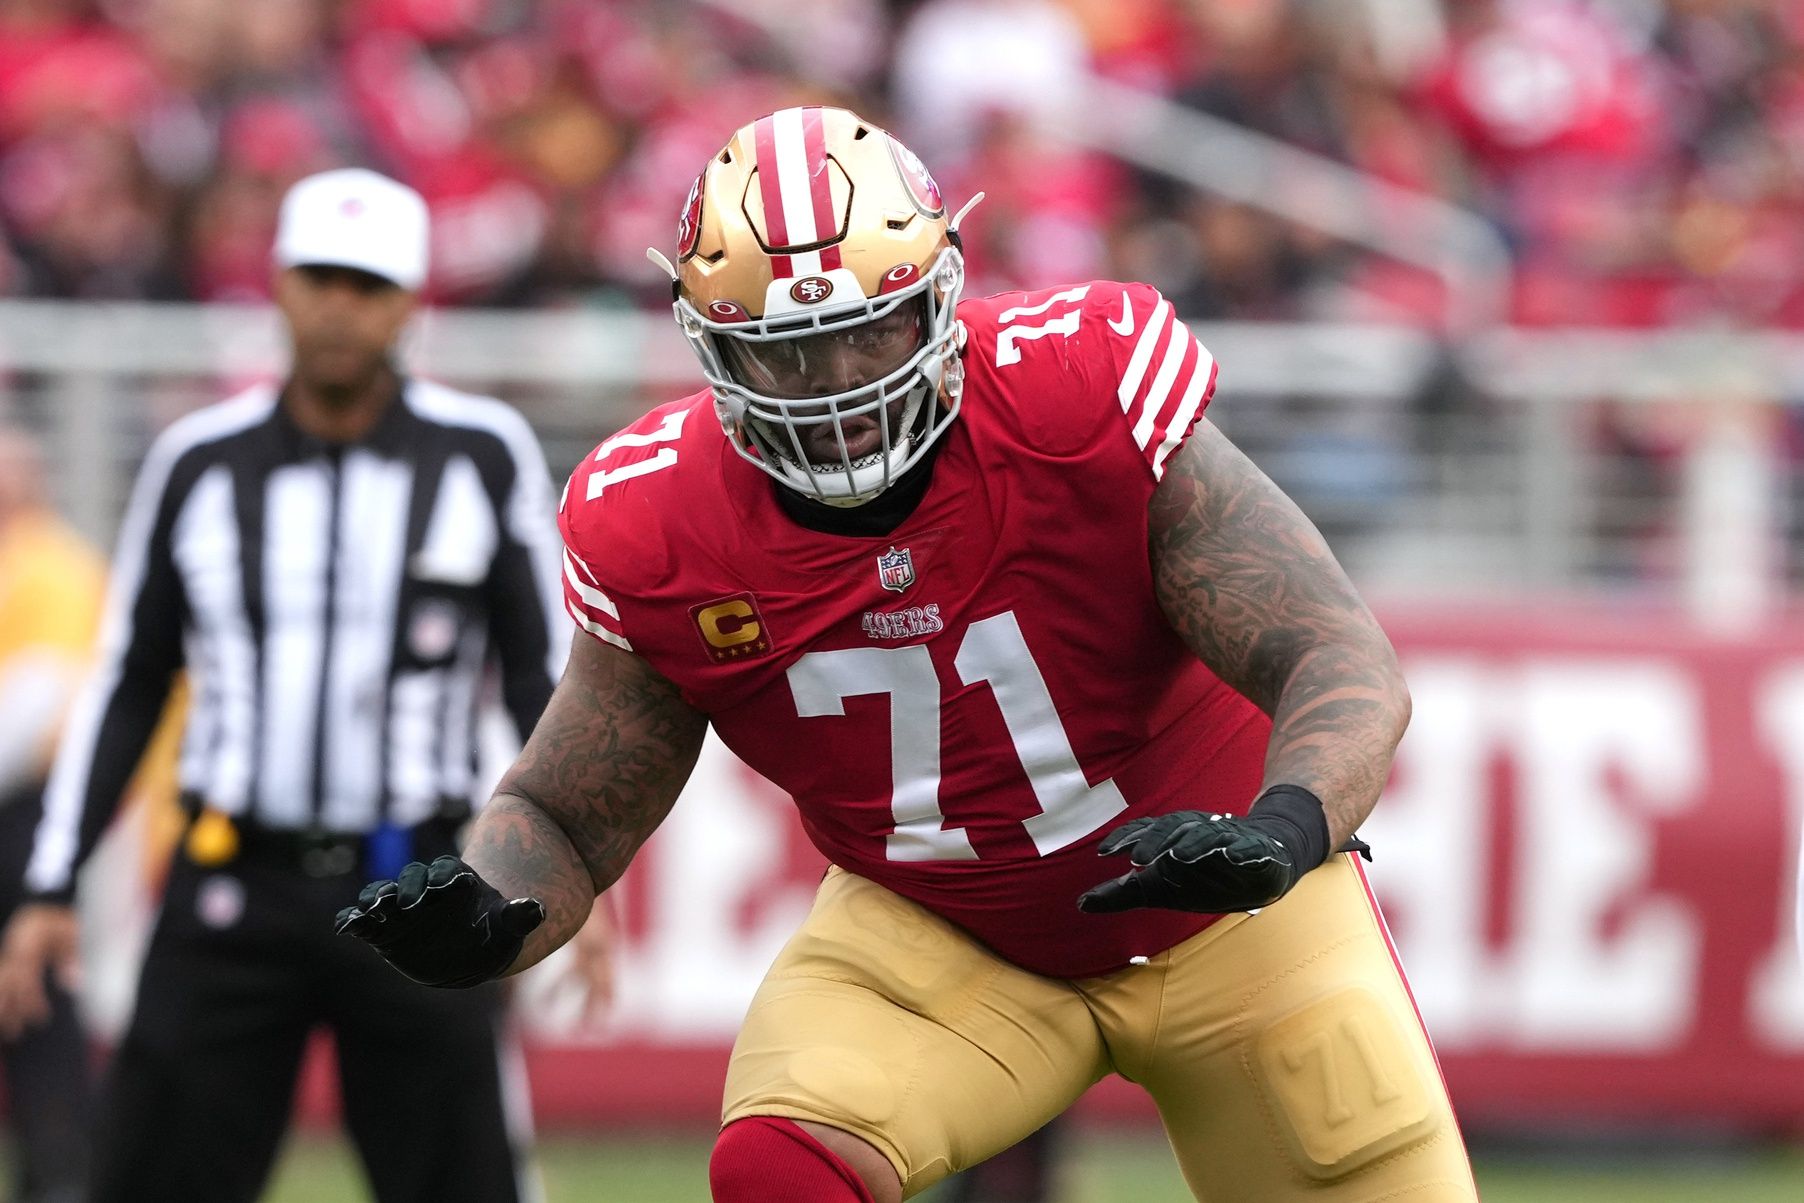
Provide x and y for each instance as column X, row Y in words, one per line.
column 962, row 708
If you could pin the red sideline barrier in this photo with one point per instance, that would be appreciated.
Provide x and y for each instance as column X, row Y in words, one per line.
column 1608, row 934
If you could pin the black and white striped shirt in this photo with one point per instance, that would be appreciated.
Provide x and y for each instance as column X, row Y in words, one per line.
column 334, row 606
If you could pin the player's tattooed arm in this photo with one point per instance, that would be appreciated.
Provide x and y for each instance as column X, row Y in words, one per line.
column 601, row 770
column 1253, row 589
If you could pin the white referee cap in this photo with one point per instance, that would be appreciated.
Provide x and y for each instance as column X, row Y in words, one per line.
column 352, row 217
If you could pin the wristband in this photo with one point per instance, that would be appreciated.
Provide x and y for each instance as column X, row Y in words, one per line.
column 1297, row 808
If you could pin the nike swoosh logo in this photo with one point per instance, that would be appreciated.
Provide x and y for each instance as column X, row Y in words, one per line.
column 1125, row 326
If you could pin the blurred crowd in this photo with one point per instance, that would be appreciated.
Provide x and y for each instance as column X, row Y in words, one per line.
column 1642, row 159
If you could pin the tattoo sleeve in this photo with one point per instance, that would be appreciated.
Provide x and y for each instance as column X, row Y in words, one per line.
column 599, row 773
column 1250, row 585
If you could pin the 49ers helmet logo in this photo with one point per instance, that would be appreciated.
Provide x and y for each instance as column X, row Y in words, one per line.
column 689, row 226
column 810, row 290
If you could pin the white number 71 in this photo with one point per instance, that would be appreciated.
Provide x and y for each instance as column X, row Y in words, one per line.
column 992, row 651
column 1065, row 324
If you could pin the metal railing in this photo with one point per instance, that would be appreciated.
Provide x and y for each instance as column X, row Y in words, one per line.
column 1509, row 461
column 1287, row 181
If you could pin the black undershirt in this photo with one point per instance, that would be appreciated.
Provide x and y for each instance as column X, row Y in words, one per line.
column 881, row 515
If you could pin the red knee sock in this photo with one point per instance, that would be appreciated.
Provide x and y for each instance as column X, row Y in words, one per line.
column 769, row 1160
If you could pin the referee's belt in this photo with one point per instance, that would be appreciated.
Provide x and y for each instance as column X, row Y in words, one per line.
column 215, row 839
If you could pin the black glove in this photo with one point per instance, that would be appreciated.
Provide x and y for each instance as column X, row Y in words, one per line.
column 1193, row 860
column 443, row 925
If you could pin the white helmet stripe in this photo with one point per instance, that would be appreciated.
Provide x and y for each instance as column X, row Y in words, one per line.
column 820, row 184
column 793, row 181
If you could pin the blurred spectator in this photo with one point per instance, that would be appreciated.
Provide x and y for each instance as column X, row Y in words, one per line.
column 51, row 584
column 1642, row 160
column 961, row 63
column 1046, row 209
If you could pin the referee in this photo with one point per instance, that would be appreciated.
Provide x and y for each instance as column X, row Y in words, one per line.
column 333, row 561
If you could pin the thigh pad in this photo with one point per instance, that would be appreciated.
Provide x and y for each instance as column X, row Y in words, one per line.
column 1344, row 1079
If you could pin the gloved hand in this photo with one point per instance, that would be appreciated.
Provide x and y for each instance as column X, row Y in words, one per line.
column 1192, row 860
column 442, row 925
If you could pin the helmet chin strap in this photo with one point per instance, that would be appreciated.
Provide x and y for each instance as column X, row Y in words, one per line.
column 848, row 503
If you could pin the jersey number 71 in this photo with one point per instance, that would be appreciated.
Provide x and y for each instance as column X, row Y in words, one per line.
column 993, row 652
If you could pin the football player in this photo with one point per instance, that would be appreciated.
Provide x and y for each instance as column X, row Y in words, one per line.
column 1078, row 704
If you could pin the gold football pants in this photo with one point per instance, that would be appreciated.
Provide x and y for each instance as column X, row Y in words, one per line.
column 1282, row 1048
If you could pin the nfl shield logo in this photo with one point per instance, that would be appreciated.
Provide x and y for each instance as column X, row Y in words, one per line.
column 896, row 569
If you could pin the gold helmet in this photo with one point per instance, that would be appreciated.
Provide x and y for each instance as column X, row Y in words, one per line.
column 817, row 280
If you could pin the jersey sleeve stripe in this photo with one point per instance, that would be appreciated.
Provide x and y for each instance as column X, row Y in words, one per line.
column 596, row 629
column 1202, row 384
column 588, row 595
column 1177, row 350
column 582, row 570
column 1142, row 355
column 795, row 193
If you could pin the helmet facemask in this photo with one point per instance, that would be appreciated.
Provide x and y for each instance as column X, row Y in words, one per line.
column 839, row 403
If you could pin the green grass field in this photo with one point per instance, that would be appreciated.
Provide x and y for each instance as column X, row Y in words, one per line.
column 1100, row 1169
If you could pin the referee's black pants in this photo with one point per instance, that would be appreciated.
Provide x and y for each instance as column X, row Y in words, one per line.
column 46, row 1068
column 242, row 966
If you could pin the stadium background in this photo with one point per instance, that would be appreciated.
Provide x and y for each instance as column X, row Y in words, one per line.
column 1508, row 293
